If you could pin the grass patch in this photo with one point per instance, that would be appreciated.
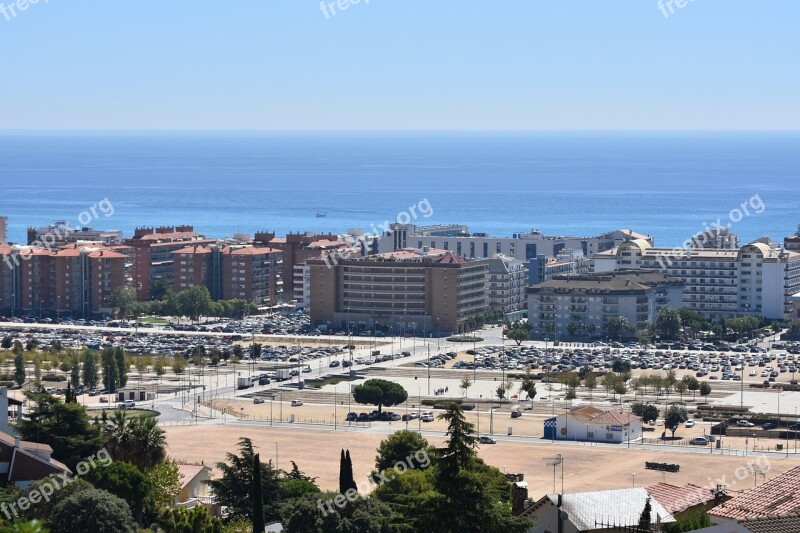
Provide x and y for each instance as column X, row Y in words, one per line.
column 132, row 413
column 153, row 320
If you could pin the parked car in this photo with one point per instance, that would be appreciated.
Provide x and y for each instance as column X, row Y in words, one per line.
column 485, row 439
column 698, row 441
column 769, row 425
column 297, row 403
column 745, row 424
column 516, row 413
column 258, row 400
column 351, row 417
column 689, row 423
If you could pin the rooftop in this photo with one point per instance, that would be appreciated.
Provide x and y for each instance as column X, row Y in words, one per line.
column 779, row 496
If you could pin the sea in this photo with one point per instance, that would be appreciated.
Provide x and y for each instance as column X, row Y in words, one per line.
column 668, row 185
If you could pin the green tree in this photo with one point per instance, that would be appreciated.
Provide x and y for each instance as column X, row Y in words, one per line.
column 705, row 389
column 75, row 370
column 647, row 412
column 645, row 518
column 379, row 392
column 178, row 364
column 668, row 323
column 674, row 416
column 617, row 326
column 308, row 515
column 198, row 519
column 6, row 343
column 90, row 373
column 19, row 369
column 590, row 382
column 401, row 447
column 92, row 510
column 518, row 332
column 258, row 497
column 528, row 386
column 123, row 299
column 680, row 388
column 110, row 370
column 346, row 479
column 137, row 440
column 194, row 302
column 158, row 289
column 165, row 479
column 233, row 489
column 466, row 383
column 124, row 481
column 65, row 427
column 122, row 366
column 692, row 384
column 37, row 368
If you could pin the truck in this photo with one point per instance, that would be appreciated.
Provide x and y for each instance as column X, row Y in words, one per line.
column 283, row 374
column 244, row 383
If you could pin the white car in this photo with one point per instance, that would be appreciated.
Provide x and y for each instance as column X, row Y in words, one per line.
column 297, row 403
column 689, row 423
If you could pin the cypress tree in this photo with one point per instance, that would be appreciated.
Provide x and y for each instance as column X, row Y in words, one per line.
column 351, row 480
column 258, row 497
column 343, row 485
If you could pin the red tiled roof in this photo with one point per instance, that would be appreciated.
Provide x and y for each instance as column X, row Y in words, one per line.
column 451, row 259
column 615, row 416
column 676, row 499
column 779, row 496
column 193, row 250
column 107, row 254
column 584, row 414
column 250, row 250
column 773, row 524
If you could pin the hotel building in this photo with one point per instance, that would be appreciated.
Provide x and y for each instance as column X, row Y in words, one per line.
column 426, row 291
column 759, row 278
column 589, row 301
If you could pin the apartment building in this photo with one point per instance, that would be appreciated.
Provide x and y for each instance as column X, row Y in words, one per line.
column 3, row 226
column 506, row 284
column 194, row 265
column 296, row 249
column 60, row 233
column 152, row 254
column 524, row 246
column 240, row 272
column 415, row 290
column 251, row 273
column 759, row 278
column 77, row 280
column 580, row 306
column 567, row 263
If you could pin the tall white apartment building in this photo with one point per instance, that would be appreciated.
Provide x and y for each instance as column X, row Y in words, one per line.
column 759, row 278
column 506, row 284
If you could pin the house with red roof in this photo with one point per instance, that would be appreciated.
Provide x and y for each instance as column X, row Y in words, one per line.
column 594, row 425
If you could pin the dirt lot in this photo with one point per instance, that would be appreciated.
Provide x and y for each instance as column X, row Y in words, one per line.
column 585, row 467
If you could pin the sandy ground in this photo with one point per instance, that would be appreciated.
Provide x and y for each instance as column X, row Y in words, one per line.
column 585, row 468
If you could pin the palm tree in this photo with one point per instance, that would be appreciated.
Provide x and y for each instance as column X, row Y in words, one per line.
column 138, row 441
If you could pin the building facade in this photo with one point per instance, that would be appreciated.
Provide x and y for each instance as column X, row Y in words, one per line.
column 594, row 425
column 506, row 284
column 3, row 226
column 523, row 246
column 759, row 278
column 581, row 306
column 152, row 254
column 75, row 280
column 421, row 291
column 251, row 273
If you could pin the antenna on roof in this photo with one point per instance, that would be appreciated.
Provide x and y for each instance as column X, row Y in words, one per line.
column 554, row 462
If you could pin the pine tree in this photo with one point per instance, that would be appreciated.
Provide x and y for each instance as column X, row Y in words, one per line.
column 258, row 497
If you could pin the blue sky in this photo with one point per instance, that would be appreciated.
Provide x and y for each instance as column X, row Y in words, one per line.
column 401, row 65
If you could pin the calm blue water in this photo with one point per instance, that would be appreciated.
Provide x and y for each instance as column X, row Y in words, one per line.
column 666, row 185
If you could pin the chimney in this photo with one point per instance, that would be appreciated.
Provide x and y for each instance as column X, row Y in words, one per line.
column 519, row 495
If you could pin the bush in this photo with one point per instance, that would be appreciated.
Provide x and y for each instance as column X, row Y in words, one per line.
column 53, row 377
column 92, row 510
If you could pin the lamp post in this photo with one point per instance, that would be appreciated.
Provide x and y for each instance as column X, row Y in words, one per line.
column 276, row 455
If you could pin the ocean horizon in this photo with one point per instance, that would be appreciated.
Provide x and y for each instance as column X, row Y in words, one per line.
column 670, row 185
